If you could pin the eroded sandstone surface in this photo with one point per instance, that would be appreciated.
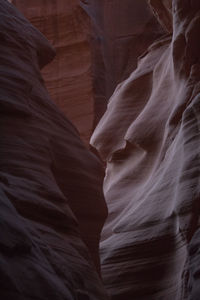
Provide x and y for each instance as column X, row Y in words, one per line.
column 50, row 185
column 121, row 32
column 97, row 45
column 150, row 138
column 51, row 199
column 69, row 77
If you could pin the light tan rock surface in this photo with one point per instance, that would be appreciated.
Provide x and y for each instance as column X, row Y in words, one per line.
column 150, row 138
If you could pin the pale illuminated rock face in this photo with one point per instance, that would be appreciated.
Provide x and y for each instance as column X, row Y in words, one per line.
column 68, row 78
column 50, row 185
column 150, row 138
column 122, row 31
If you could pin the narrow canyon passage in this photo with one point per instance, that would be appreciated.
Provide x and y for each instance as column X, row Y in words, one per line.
column 100, row 143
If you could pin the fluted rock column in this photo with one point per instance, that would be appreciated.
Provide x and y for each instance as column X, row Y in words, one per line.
column 150, row 138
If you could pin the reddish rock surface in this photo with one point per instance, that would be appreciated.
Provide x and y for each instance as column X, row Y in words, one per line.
column 150, row 138
column 68, row 78
column 97, row 45
column 50, row 185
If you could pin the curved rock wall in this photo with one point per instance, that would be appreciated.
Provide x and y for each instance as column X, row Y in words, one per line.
column 50, row 185
column 122, row 31
column 149, row 137
column 97, row 44
column 69, row 77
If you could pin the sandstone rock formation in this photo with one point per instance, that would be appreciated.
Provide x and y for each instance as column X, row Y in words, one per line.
column 97, row 45
column 162, row 11
column 50, row 184
column 149, row 137
column 122, row 31
column 69, row 77
column 194, row 267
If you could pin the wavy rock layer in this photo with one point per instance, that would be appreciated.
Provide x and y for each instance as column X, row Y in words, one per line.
column 122, row 31
column 48, row 180
column 97, row 45
column 150, row 137
column 69, row 77
column 194, row 267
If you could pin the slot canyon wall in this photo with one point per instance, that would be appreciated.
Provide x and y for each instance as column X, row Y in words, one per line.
column 69, row 77
column 97, row 44
column 150, row 242
column 52, row 205
column 121, row 32
column 132, row 68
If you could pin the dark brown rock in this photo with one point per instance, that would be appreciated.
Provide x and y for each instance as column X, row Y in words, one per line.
column 95, row 50
column 50, row 185
column 163, row 13
column 194, row 267
column 69, row 77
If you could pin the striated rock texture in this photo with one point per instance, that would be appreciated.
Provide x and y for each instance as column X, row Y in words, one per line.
column 48, row 180
column 69, row 77
column 162, row 11
column 150, row 138
column 122, row 31
column 194, row 267
column 97, row 45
